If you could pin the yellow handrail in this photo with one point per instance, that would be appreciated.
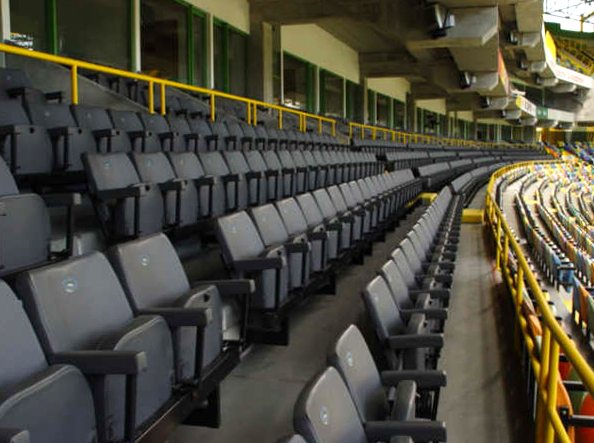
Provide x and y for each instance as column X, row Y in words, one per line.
column 251, row 104
column 549, row 426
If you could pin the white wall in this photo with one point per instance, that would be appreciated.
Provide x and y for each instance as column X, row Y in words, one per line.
column 434, row 105
column 465, row 115
column 234, row 12
column 319, row 47
column 394, row 87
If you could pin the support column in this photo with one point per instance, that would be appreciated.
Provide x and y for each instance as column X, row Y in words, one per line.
column 365, row 101
column 410, row 123
column 260, row 67
column 317, row 90
column 136, row 42
column 210, row 76
column 4, row 26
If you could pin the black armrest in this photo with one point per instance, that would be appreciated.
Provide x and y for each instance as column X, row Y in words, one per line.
column 103, row 362
column 211, row 137
column 176, row 184
column 133, row 191
column 415, row 341
column 336, row 226
column 260, row 264
column 15, row 92
column 440, row 278
column 295, row 248
column 271, row 173
column 246, row 139
column 62, row 199
column 319, row 235
column 418, row 430
column 347, row 219
column 192, row 137
column 261, row 140
column 168, row 135
column 231, row 138
column 231, row 178
column 447, row 265
column 14, row 436
column 286, row 171
column 15, row 129
column 63, row 131
column 207, row 180
column 105, row 133
column 139, row 134
column 430, row 314
column 178, row 317
column 253, row 175
column 433, row 293
column 301, row 169
column 423, row 379
column 231, row 287
column 54, row 95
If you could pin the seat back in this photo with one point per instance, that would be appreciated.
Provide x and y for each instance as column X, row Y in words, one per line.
column 270, row 225
column 238, row 237
column 96, row 119
column 325, row 203
column 310, row 210
column 351, row 357
column 383, row 309
column 292, row 216
column 325, row 412
column 389, row 271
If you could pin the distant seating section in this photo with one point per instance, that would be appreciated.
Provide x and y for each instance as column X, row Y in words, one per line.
column 117, row 338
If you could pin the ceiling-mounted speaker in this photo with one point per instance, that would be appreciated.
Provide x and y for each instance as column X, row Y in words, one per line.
column 439, row 20
column 467, row 79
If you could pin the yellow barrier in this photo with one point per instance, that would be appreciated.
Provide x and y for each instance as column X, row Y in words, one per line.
column 545, row 365
column 251, row 104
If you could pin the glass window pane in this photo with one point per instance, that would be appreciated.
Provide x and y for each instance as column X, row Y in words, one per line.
column 27, row 24
column 199, row 37
column 399, row 114
column 383, row 110
column 219, row 56
column 97, row 31
column 295, row 82
column 237, row 63
column 333, row 94
column 164, row 39
column 431, row 122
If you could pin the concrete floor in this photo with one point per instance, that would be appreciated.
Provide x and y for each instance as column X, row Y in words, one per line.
column 482, row 395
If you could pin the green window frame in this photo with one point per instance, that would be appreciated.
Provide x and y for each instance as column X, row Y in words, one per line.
column 310, row 78
column 226, row 29
column 371, row 110
column 324, row 73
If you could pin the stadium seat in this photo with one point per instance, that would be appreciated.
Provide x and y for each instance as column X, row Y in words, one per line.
column 97, row 120
column 158, row 125
column 256, row 181
column 316, row 222
column 40, row 402
column 235, row 195
column 14, row 83
column 141, row 139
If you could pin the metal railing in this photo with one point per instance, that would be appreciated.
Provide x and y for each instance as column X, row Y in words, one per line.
column 545, row 363
column 251, row 104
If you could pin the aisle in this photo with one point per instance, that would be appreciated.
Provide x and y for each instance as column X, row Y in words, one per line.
column 258, row 397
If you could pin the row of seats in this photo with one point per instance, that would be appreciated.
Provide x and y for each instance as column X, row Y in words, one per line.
column 350, row 399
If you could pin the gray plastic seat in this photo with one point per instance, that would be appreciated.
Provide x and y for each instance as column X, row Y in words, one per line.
column 246, row 255
column 40, row 402
column 407, row 343
column 96, row 120
column 296, row 224
column 295, row 438
column 126, row 206
column 325, row 413
column 332, row 216
column 157, row 124
column 211, row 190
column 141, row 139
column 152, row 276
column 207, row 140
column 286, row 177
column 32, row 152
column 352, row 358
column 79, row 305
column 273, row 184
column 341, row 206
column 359, row 209
column 24, row 218
column 256, row 182
column 236, row 188
column 317, row 176
column 371, row 206
column 181, row 196
column 225, row 141
column 316, row 222
column 187, row 140
column 297, row 248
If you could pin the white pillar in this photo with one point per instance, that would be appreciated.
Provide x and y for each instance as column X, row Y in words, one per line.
column 137, row 62
column 210, row 73
column 5, row 24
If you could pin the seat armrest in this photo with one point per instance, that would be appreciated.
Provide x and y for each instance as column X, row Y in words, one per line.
column 297, row 248
column 140, row 134
column 211, row 137
column 134, row 191
column 417, row 430
column 238, row 286
column 178, row 317
column 440, row 278
column 423, row 379
column 168, row 135
column 105, row 133
column 14, row 436
column 430, row 314
column 319, row 235
column 301, row 169
column 346, row 218
column 54, row 95
column 260, row 264
column 253, row 175
column 207, row 180
column 62, row 199
column 231, row 138
column 288, row 171
column 63, row 131
column 231, row 178
column 103, row 362
column 14, row 129
column 448, row 266
column 176, row 184
column 336, row 226
column 415, row 341
column 433, row 293
column 246, row 139
column 192, row 136
column 271, row 173
column 16, row 92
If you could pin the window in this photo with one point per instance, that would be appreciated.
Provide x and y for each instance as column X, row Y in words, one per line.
column 198, row 49
column 430, row 122
column 164, row 38
column 27, row 24
column 535, row 95
column 100, row 33
column 371, row 107
column 331, row 94
column 354, row 102
column 383, row 110
column 482, row 131
column 399, row 115
column 219, row 59
column 506, row 132
column 237, row 59
column 297, row 82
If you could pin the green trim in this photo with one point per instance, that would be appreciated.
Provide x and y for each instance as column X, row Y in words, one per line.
column 51, row 26
column 371, row 108
column 323, row 74
column 225, row 60
column 311, row 87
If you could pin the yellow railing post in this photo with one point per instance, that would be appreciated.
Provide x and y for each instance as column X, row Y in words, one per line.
column 350, row 130
column 163, row 100
column 212, row 107
column 553, row 378
column 280, row 119
column 498, row 244
column 319, row 126
column 333, row 128
column 249, row 113
column 373, row 134
column 541, row 415
column 151, row 100
column 255, row 115
column 74, row 84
